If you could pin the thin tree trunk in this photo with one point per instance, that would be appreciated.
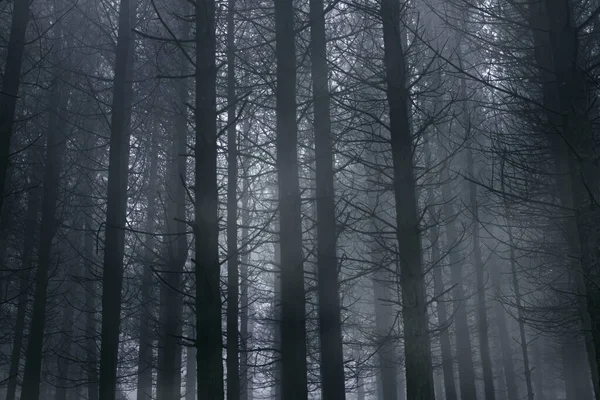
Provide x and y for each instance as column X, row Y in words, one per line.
column 482, row 317
column 208, row 297
column 233, row 351
column 64, row 357
column 56, row 144
column 418, row 363
column 293, row 318
column 464, row 355
column 503, row 334
column 10, row 86
column 438, row 280
column 538, row 372
column 519, row 306
column 276, row 389
column 34, row 198
column 145, row 349
column 190, row 367
column 330, row 325
column 116, row 208
column 246, row 383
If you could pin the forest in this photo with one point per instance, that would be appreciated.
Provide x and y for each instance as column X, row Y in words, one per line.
column 293, row 200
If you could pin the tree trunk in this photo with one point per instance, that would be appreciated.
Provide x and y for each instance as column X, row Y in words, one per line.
column 190, row 368
column 293, row 318
column 208, row 297
column 464, row 355
column 245, row 376
column 482, row 318
column 556, row 45
column 10, row 86
column 233, row 351
column 330, row 325
column 64, row 356
column 276, row 389
column 34, row 198
column 116, row 207
column 438, row 280
column 503, row 333
column 418, row 363
column 145, row 349
column 538, row 372
column 519, row 306
column 56, row 144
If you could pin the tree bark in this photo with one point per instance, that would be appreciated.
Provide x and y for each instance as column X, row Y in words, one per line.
column 293, row 318
column 503, row 333
column 56, row 144
column 245, row 376
column 34, row 198
column 233, row 351
column 116, row 207
column 145, row 348
column 464, row 355
column 418, row 363
column 330, row 325
column 208, row 297
column 10, row 86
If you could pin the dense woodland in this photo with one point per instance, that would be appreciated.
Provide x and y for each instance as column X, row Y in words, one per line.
column 292, row 200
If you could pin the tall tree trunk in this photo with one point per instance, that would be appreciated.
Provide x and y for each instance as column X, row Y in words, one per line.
column 56, row 145
column 418, row 363
column 466, row 370
column 293, row 318
column 438, row 280
column 245, row 376
column 64, row 357
column 90, row 372
column 116, row 207
column 276, row 389
column 482, row 317
column 503, row 333
column 517, row 296
column 190, row 367
column 233, row 351
column 330, row 324
column 560, row 75
column 519, row 306
column 208, row 297
column 145, row 349
column 34, row 197
column 539, row 369
column 10, row 86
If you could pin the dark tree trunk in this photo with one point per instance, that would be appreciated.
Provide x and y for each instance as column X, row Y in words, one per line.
column 503, row 333
column 464, row 355
column 438, row 280
column 567, row 108
column 482, row 317
column 208, row 296
column 56, row 144
column 233, row 351
column 190, row 367
column 34, row 198
column 538, row 371
column 10, row 86
column 146, row 334
column 419, row 371
column 330, row 325
column 116, row 207
column 293, row 318
column 245, row 376
column 276, row 389
column 63, row 387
